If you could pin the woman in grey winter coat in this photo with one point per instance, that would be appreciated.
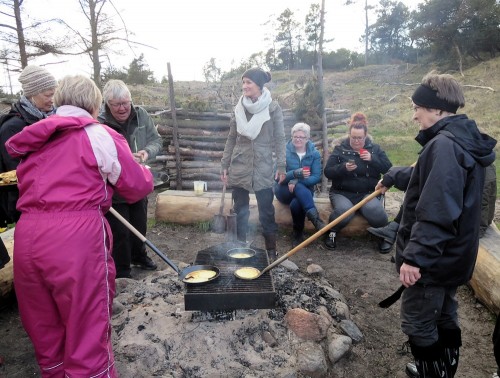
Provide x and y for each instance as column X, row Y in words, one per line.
column 256, row 132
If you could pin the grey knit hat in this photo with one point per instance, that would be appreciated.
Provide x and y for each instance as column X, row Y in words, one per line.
column 258, row 76
column 35, row 80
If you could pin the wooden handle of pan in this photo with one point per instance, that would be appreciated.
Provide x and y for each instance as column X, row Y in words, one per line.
column 221, row 210
column 144, row 240
column 325, row 229
column 127, row 224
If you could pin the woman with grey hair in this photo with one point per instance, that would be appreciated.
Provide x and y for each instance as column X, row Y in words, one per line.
column 135, row 124
column 303, row 172
column 63, row 270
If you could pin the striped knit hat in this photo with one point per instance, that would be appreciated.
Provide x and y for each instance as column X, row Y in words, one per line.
column 35, row 80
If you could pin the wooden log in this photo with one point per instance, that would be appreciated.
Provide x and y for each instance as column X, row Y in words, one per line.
column 199, row 153
column 196, row 164
column 202, row 123
column 213, row 185
column 7, row 272
column 184, row 207
column 185, row 132
column 197, row 115
column 486, row 277
column 204, row 145
column 195, row 171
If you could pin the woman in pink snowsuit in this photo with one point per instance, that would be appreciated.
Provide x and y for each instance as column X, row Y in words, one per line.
column 64, row 274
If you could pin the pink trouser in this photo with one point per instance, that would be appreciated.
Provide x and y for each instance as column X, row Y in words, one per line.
column 64, row 279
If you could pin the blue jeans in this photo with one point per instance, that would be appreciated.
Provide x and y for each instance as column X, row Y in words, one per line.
column 300, row 202
column 373, row 211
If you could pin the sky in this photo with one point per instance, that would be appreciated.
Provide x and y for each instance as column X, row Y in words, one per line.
column 188, row 33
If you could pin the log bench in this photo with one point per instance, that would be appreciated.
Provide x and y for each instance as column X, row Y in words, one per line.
column 184, row 207
column 486, row 277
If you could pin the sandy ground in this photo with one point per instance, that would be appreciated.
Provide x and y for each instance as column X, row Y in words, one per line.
column 356, row 269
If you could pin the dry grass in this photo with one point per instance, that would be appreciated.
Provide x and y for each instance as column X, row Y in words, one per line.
column 381, row 92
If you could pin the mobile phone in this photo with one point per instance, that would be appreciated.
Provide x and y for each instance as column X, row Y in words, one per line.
column 351, row 161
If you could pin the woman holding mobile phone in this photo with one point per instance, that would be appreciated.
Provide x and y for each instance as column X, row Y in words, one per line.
column 355, row 167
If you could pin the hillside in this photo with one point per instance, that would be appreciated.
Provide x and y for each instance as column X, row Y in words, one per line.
column 382, row 92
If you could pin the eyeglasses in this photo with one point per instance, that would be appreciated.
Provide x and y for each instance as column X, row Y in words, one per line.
column 299, row 138
column 125, row 104
column 357, row 138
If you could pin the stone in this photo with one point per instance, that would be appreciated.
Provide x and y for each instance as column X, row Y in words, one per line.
column 269, row 339
column 351, row 330
column 306, row 325
column 342, row 310
column 315, row 270
column 311, row 360
column 338, row 346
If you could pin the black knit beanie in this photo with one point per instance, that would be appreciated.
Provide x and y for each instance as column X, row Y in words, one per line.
column 258, row 76
column 426, row 97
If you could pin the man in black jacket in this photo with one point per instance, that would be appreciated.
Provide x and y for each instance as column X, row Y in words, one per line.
column 438, row 237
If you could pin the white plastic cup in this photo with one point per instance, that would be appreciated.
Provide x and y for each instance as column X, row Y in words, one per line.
column 200, row 187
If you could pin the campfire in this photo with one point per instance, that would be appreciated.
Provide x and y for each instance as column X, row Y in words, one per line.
column 283, row 323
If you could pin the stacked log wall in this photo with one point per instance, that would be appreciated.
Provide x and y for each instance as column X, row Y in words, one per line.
column 202, row 137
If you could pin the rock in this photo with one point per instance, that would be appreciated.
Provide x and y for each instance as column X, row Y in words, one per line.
column 351, row 330
column 306, row 325
column 117, row 308
column 269, row 339
column 311, row 360
column 315, row 270
column 323, row 312
column 342, row 310
column 338, row 346
column 289, row 265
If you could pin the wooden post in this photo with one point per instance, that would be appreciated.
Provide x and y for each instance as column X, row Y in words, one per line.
column 324, row 129
column 175, row 129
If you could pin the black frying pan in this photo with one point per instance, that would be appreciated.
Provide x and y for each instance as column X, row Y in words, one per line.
column 193, row 274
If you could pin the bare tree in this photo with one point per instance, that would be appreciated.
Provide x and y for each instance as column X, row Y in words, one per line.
column 27, row 41
column 98, row 41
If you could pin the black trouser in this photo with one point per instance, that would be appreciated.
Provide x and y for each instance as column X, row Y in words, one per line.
column 127, row 246
column 4, row 254
column 264, row 197
column 496, row 343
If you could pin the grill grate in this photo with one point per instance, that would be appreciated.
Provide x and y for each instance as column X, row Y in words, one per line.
column 228, row 292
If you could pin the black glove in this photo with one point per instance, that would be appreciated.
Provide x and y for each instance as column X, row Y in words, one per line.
column 298, row 173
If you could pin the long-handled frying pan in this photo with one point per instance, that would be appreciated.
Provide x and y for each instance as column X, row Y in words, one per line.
column 193, row 274
column 251, row 273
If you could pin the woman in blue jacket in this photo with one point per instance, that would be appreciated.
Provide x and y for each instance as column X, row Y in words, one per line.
column 303, row 171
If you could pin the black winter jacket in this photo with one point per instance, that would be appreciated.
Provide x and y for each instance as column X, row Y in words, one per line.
column 439, row 229
column 367, row 174
column 18, row 120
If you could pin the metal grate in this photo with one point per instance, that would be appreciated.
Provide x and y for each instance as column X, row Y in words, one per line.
column 228, row 292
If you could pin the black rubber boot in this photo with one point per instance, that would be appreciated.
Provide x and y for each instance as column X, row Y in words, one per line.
column 330, row 242
column 297, row 237
column 451, row 340
column 388, row 232
column 315, row 219
column 411, row 370
column 270, row 241
column 429, row 361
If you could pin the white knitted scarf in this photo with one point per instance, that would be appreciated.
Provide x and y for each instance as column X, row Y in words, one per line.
column 260, row 111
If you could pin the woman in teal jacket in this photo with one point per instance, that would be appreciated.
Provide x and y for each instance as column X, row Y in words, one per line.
column 303, row 172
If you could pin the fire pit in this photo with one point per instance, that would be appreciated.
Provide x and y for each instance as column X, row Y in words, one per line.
column 228, row 292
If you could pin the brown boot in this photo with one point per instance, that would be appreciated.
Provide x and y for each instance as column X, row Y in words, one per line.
column 270, row 241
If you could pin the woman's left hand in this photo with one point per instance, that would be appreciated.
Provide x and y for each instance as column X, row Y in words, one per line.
column 291, row 187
